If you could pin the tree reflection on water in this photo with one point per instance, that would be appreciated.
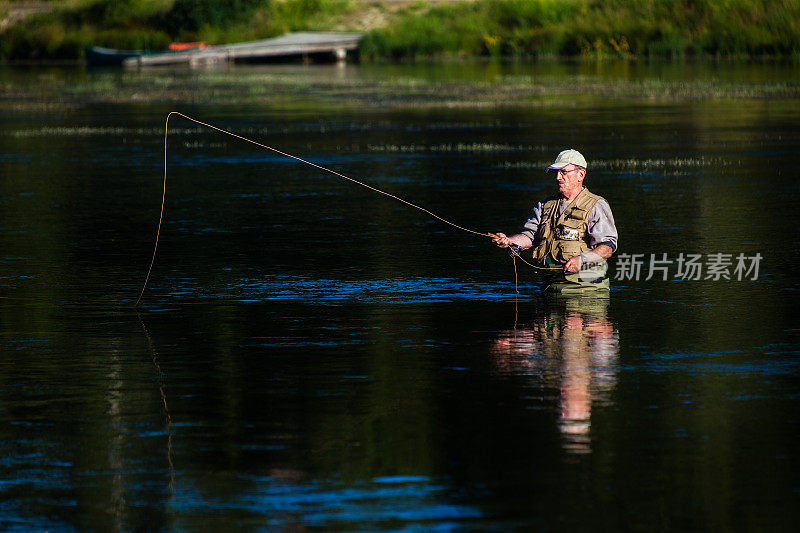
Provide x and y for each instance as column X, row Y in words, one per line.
column 569, row 351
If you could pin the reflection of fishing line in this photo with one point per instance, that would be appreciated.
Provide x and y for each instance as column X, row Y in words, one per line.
column 163, row 394
column 357, row 182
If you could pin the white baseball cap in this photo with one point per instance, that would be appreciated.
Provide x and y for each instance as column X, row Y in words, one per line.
column 568, row 157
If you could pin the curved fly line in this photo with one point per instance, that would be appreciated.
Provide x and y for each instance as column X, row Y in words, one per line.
column 515, row 254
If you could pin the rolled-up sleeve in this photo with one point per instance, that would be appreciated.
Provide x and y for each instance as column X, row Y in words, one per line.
column 532, row 224
column 601, row 227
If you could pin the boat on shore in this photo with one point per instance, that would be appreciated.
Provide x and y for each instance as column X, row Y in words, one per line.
column 97, row 56
column 324, row 46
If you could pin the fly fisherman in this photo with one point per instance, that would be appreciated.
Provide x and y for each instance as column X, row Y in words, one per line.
column 572, row 233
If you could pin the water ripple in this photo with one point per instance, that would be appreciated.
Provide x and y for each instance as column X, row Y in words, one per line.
column 332, row 291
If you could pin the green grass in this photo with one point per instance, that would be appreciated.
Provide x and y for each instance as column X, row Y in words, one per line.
column 596, row 29
column 529, row 29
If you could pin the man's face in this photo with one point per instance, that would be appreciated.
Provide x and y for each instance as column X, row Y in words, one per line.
column 570, row 180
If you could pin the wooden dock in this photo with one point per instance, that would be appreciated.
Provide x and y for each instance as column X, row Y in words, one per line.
column 301, row 44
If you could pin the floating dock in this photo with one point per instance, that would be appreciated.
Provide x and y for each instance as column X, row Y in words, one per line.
column 303, row 44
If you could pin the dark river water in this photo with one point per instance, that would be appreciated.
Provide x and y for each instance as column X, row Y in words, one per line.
column 309, row 354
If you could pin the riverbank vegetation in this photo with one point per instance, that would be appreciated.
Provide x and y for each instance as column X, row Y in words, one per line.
column 414, row 30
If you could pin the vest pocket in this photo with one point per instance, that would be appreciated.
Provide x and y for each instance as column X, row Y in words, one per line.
column 577, row 214
column 567, row 249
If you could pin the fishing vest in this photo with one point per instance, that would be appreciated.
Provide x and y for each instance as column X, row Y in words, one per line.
column 560, row 237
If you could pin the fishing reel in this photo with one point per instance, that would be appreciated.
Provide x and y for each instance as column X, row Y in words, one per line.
column 513, row 250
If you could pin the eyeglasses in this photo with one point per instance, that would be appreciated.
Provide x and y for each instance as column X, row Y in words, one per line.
column 565, row 172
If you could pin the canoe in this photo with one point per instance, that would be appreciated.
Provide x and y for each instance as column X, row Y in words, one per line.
column 97, row 56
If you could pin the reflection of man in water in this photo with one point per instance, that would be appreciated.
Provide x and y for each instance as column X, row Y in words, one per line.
column 573, row 229
column 573, row 350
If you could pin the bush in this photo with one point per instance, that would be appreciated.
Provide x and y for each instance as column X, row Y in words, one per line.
column 191, row 15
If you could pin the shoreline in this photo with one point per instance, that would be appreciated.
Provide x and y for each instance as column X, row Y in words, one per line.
column 445, row 60
column 535, row 30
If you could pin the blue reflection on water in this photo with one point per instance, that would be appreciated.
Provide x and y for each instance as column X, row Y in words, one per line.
column 753, row 361
column 393, row 290
column 384, row 501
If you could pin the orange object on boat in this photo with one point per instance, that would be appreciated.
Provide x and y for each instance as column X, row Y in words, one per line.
column 187, row 46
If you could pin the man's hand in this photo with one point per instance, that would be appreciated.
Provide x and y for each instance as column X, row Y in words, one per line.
column 501, row 240
column 574, row 264
column 593, row 257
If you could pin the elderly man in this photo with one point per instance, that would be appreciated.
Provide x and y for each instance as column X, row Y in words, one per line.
column 572, row 232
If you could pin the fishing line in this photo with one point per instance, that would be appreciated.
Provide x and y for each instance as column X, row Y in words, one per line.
column 515, row 255
column 357, row 182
